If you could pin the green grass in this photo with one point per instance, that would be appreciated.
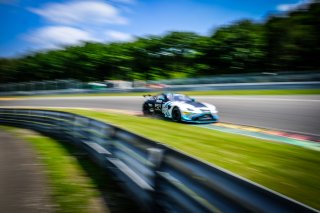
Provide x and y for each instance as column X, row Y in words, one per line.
column 210, row 92
column 288, row 169
column 257, row 92
column 77, row 184
column 71, row 189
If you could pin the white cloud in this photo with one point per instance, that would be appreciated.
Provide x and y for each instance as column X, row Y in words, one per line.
column 74, row 22
column 289, row 7
column 125, row 1
column 54, row 36
column 118, row 36
column 77, row 13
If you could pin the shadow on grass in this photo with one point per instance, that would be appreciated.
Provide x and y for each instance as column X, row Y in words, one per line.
column 115, row 197
column 160, row 117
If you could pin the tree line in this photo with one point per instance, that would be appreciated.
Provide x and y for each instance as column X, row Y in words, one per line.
column 285, row 42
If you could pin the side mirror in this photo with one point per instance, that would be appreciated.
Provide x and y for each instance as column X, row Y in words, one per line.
column 192, row 99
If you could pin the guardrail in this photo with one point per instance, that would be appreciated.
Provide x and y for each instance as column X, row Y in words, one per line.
column 158, row 177
column 248, row 86
column 196, row 87
column 284, row 76
column 41, row 85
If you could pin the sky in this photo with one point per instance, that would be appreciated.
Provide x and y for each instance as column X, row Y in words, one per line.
column 36, row 25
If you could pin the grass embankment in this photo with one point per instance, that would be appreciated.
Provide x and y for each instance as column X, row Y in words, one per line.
column 290, row 170
column 76, row 183
column 191, row 93
column 257, row 92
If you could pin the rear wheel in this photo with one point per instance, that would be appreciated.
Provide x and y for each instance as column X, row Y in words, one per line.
column 145, row 109
column 176, row 114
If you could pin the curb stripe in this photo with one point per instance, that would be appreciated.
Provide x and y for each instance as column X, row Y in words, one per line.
column 283, row 137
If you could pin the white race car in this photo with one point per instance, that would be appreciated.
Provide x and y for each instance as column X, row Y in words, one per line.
column 179, row 107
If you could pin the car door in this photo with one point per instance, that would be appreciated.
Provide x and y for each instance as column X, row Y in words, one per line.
column 160, row 100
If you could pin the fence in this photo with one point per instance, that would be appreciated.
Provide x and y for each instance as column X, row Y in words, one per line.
column 160, row 178
column 297, row 76
column 262, row 80
column 41, row 85
column 176, row 88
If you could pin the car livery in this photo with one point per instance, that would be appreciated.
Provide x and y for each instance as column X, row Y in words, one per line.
column 179, row 107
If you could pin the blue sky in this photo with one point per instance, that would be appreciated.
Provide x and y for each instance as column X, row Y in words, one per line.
column 32, row 25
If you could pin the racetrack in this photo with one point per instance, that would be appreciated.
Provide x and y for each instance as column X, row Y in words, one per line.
column 294, row 113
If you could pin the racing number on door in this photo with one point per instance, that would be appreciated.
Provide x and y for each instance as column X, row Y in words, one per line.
column 157, row 105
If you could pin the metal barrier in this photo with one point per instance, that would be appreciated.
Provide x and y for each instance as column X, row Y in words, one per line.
column 284, row 76
column 195, row 87
column 41, row 85
column 158, row 177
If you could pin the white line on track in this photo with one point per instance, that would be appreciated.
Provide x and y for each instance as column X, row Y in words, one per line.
column 85, row 98
column 258, row 99
column 130, row 112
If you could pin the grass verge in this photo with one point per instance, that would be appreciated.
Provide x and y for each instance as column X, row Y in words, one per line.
column 257, row 92
column 76, row 183
column 290, row 170
column 209, row 92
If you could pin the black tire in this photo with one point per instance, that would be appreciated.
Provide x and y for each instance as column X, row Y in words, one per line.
column 176, row 114
column 145, row 110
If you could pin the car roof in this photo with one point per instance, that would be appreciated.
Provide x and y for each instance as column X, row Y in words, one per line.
column 172, row 93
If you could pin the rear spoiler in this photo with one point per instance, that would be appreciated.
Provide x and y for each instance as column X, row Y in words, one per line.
column 148, row 97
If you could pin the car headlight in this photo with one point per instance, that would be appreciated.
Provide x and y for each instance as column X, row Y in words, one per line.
column 188, row 111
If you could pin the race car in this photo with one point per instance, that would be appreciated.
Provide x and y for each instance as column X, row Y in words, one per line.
column 180, row 108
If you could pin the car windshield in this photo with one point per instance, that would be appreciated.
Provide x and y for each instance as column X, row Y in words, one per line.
column 180, row 97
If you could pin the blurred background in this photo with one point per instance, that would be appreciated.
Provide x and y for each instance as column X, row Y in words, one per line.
column 94, row 41
column 119, row 46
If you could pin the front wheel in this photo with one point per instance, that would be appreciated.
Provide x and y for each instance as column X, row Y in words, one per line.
column 176, row 114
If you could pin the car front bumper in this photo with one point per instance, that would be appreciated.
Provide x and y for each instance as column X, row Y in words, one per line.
column 200, row 118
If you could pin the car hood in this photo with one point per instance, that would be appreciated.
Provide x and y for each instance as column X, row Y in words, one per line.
column 195, row 104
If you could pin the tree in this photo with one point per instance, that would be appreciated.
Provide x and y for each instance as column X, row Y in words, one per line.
column 235, row 48
column 287, row 41
column 293, row 41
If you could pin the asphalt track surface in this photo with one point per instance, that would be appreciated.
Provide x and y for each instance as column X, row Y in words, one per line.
column 293, row 113
column 23, row 185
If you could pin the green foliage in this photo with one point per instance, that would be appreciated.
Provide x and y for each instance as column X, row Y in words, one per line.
column 293, row 41
column 236, row 48
column 288, row 41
